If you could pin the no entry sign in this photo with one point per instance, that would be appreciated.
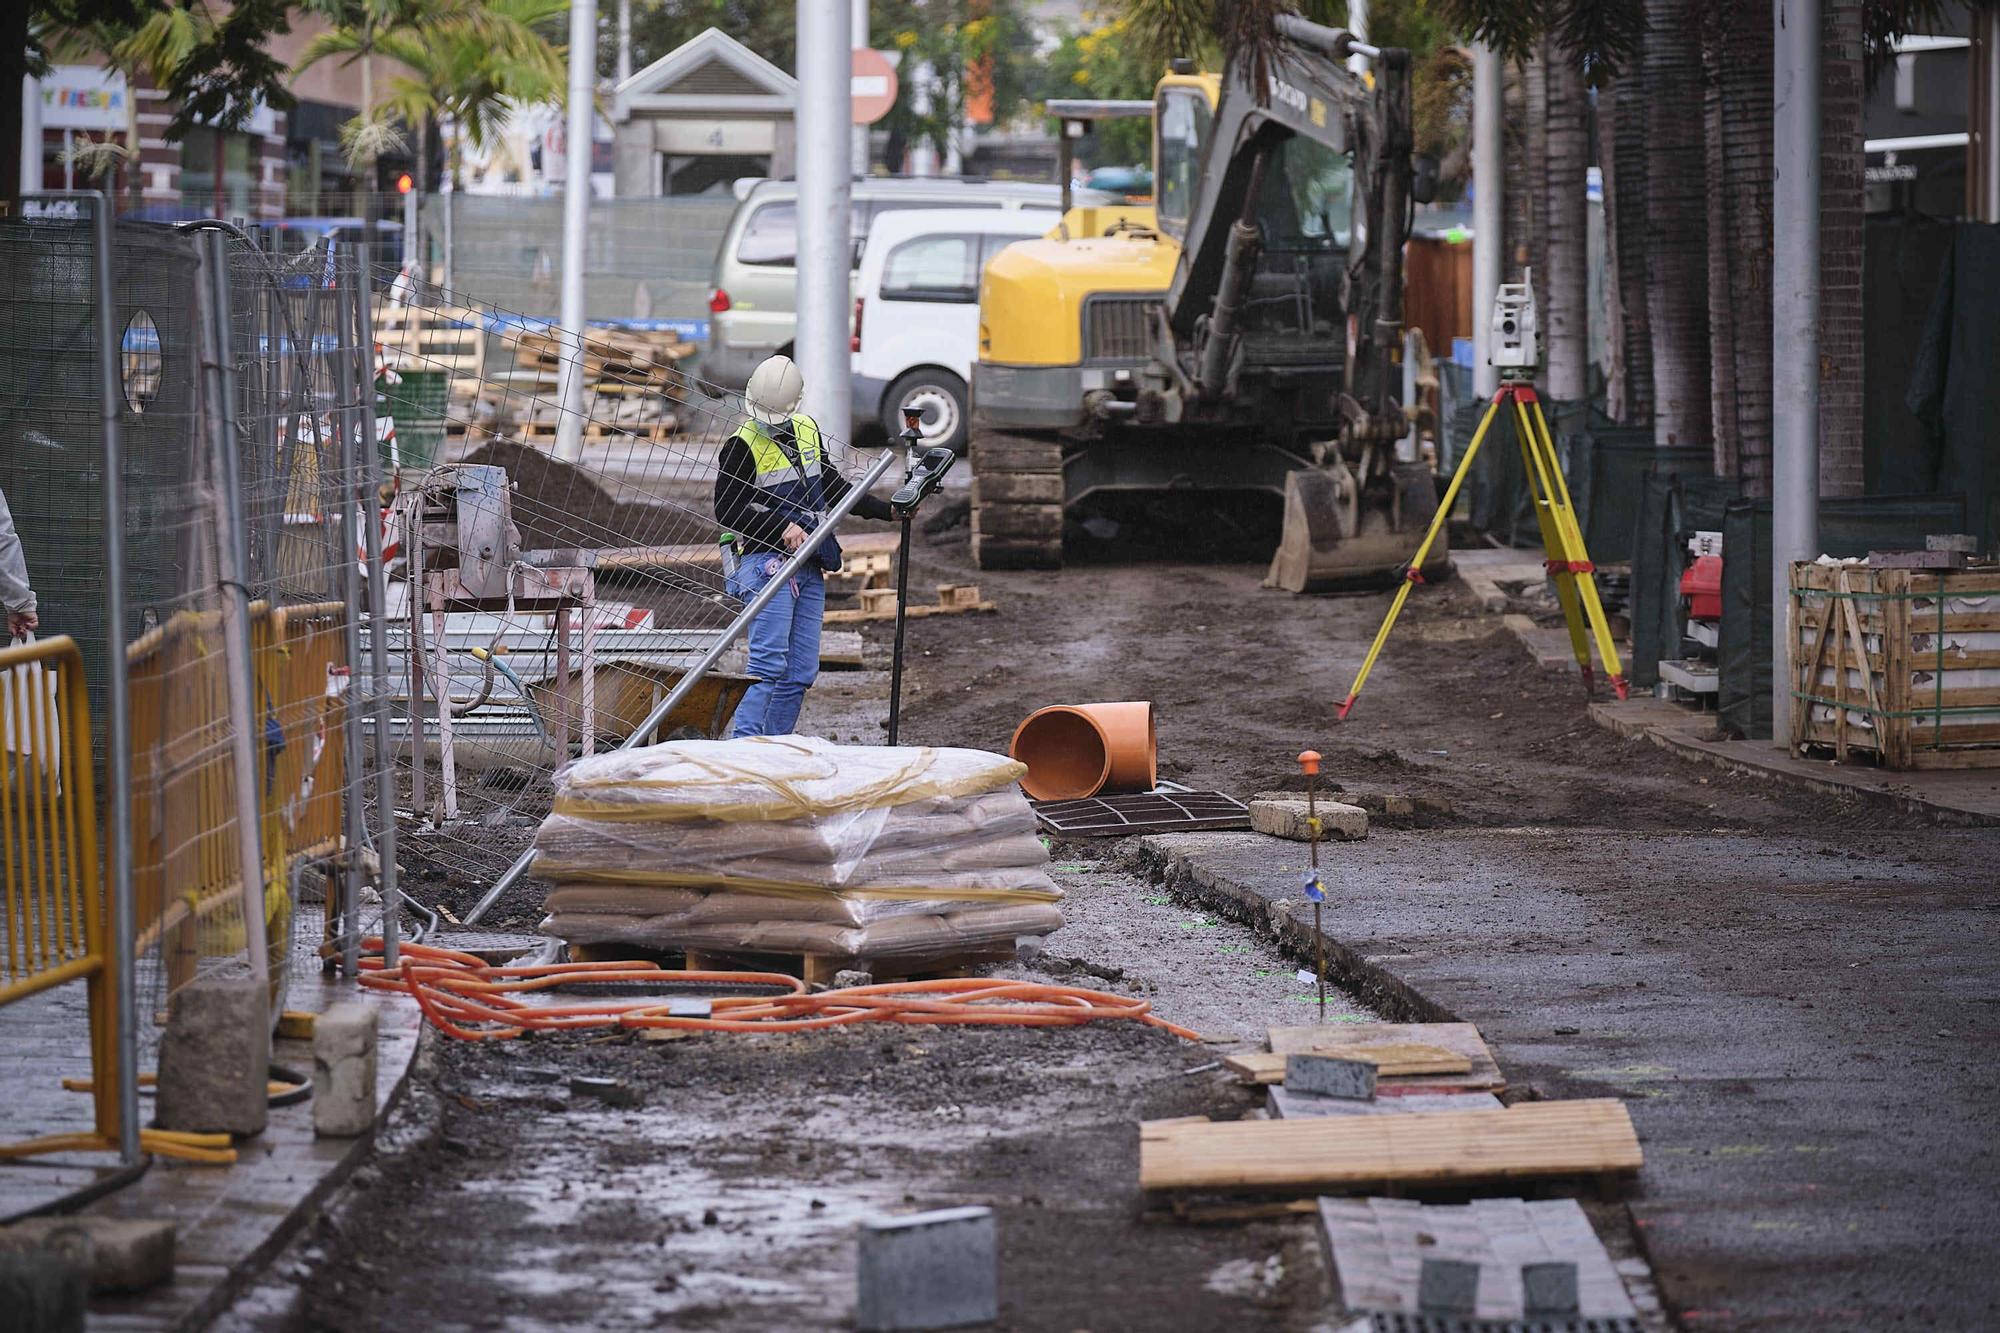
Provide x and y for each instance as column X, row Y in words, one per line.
column 874, row 85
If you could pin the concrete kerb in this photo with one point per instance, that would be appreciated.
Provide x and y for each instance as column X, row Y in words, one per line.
column 1164, row 859
column 1670, row 732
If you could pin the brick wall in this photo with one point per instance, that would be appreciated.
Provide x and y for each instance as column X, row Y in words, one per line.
column 1841, row 223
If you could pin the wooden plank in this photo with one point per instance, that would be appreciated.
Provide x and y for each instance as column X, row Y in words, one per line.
column 1284, row 1104
column 1531, row 1141
column 1390, row 1060
column 1462, row 1038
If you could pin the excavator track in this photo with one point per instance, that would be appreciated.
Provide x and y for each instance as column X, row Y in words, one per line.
column 1017, row 502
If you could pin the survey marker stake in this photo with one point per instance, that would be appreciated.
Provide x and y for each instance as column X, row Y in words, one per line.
column 1309, row 761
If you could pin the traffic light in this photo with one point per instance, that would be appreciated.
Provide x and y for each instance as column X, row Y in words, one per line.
column 404, row 183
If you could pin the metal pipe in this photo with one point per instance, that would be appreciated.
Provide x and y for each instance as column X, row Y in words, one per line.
column 857, row 26
column 1489, row 196
column 378, row 647
column 232, row 560
column 576, row 219
column 1357, row 27
column 347, row 423
column 1795, row 172
column 625, row 39
column 1239, row 265
column 808, row 550
column 825, row 118
column 118, row 699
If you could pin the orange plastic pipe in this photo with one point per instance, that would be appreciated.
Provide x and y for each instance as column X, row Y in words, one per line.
column 1078, row 750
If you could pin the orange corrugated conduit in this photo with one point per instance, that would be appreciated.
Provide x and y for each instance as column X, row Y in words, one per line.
column 472, row 1000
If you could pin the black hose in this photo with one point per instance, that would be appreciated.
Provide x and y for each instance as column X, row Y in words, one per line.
column 303, row 1086
column 83, row 1198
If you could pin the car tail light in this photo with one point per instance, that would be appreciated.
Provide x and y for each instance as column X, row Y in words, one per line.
column 718, row 300
column 854, row 343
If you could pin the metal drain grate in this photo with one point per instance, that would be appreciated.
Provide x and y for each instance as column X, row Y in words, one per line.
column 1142, row 812
column 1386, row 1321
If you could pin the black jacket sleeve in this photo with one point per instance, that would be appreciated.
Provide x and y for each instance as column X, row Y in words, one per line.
column 737, row 507
column 833, row 488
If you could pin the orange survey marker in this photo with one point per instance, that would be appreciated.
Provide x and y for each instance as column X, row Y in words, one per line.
column 1567, row 561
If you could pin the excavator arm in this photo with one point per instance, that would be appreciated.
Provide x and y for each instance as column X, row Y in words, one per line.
column 1291, row 271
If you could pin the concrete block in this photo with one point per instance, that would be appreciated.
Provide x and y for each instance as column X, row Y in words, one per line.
column 928, row 1270
column 1330, row 1076
column 1549, row 1289
column 43, row 1290
column 215, row 1058
column 119, row 1254
column 1447, row 1286
column 344, row 1070
column 1287, row 819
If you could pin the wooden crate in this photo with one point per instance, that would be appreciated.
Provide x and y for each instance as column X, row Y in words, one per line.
column 1899, row 667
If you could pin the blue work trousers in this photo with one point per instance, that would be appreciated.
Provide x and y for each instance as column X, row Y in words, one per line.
column 784, row 645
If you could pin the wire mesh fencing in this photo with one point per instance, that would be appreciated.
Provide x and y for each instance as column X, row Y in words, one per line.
column 556, row 571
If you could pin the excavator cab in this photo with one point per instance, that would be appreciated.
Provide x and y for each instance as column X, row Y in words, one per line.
column 1249, row 339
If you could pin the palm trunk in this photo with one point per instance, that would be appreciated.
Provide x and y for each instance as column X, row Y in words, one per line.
column 1715, row 53
column 1841, row 163
column 1746, row 245
column 1621, row 146
column 1567, row 229
column 1676, row 226
column 1520, row 203
column 1535, row 84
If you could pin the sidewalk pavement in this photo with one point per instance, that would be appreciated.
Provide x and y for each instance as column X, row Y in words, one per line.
column 1797, row 1021
column 229, row 1220
column 1959, row 796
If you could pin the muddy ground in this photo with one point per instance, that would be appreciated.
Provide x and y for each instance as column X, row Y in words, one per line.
column 728, row 1198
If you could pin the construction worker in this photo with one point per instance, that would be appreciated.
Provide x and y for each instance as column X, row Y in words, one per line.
column 772, row 487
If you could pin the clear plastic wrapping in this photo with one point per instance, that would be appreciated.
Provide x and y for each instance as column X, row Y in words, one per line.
column 796, row 845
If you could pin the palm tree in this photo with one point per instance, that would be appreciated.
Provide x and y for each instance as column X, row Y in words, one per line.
column 1843, row 78
column 471, row 76
column 1621, row 148
column 1567, row 163
column 1737, row 53
column 1676, row 225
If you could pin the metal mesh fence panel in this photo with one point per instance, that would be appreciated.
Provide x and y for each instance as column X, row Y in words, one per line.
column 645, row 259
column 539, row 608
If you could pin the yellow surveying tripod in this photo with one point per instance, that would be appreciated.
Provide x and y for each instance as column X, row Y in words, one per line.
column 1562, row 540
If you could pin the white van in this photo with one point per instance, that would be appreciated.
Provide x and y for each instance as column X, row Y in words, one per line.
column 916, row 313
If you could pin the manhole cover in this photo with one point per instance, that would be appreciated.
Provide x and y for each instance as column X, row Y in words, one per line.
column 492, row 946
column 1143, row 812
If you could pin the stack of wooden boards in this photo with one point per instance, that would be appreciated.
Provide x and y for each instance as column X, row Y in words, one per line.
column 889, row 859
column 631, row 377
column 1434, row 1119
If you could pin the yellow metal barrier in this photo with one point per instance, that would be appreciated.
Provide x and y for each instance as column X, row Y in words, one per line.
column 185, row 878
column 54, row 900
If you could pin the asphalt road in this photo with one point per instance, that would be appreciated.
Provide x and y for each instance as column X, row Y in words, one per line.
column 1802, row 1024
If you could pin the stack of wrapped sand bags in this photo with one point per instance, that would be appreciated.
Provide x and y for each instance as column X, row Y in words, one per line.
column 792, row 844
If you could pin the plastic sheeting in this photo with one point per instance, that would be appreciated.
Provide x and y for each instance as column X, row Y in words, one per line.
column 796, row 845
column 1955, row 385
column 1671, row 510
column 1847, row 527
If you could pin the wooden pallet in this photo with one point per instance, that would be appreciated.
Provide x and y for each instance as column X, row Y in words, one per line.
column 1348, row 1153
column 880, row 604
column 1390, row 1061
column 812, row 968
column 1459, row 1038
column 1896, row 666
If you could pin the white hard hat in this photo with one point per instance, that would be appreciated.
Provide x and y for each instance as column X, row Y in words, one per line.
column 774, row 390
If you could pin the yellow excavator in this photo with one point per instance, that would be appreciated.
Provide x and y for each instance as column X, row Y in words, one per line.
column 1245, row 334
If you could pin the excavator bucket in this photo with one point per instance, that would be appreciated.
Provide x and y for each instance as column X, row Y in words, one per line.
column 1338, row 535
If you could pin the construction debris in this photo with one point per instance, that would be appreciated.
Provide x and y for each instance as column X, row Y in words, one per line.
column 1527, row 1260
column 1460, row 1039
column 1388, row 1059
column 1533, row 1140
column 1290, row 819
column 796, row 846
column 954, row 599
